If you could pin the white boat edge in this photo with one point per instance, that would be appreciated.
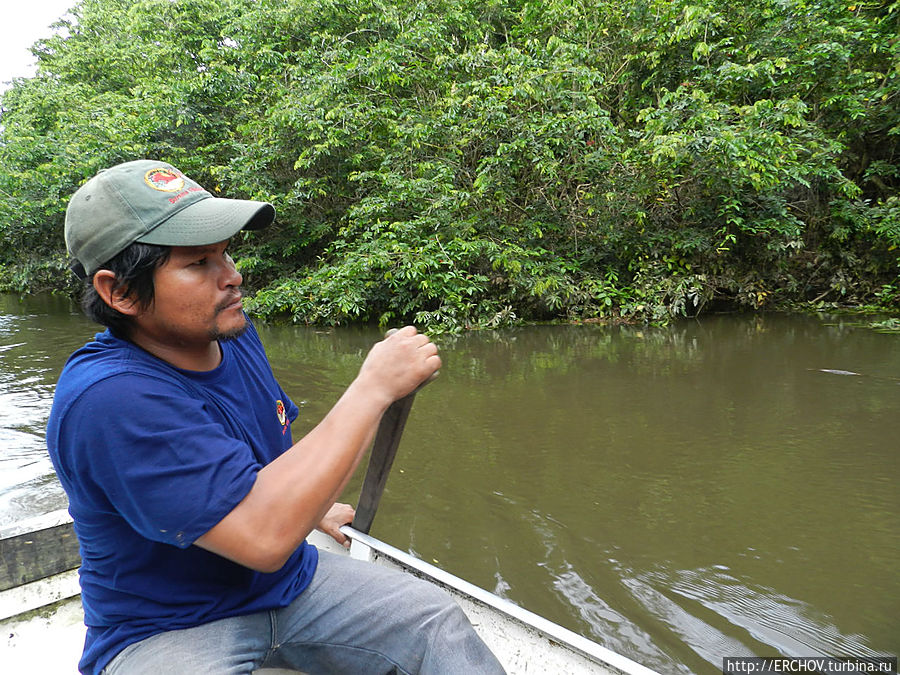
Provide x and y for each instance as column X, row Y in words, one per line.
column 43, row 628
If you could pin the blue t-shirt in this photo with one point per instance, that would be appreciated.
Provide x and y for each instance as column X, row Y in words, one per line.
column 151, row 458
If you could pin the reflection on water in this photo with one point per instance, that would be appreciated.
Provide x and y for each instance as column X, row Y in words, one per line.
column 718, row 488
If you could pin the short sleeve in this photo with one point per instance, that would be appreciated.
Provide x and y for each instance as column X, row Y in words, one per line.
column 158, row 456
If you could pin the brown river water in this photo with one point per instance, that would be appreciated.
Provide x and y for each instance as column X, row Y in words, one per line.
column 721, row 487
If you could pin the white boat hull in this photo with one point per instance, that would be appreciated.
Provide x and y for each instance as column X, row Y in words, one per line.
column 42, row 622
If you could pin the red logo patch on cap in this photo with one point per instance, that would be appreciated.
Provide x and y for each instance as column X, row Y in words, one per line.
column 165, row 180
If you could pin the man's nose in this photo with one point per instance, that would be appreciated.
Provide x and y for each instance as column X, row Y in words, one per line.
column 230, row 275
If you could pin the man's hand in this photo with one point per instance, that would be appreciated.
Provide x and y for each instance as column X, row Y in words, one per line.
column 398, row 364
column 338, row 515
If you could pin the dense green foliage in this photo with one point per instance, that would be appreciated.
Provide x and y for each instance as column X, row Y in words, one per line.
column 462, row 163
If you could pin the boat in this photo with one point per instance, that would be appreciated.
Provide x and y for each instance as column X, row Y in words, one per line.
column 42, row 621
column 43, row 631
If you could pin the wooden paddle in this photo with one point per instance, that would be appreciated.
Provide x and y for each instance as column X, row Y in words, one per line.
column 387, row 439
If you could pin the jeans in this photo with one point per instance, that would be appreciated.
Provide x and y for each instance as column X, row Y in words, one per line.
column 355, row 617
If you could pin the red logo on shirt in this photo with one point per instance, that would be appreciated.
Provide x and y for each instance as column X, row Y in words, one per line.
column 282, row 416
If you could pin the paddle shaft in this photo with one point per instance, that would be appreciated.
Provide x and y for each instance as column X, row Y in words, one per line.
column 384, row 449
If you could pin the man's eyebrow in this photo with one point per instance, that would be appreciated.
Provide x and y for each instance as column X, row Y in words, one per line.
column 201, row 249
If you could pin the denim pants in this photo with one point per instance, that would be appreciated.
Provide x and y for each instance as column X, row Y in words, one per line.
column 355, row 618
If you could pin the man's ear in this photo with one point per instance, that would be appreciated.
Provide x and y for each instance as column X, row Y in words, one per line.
column 105, row 284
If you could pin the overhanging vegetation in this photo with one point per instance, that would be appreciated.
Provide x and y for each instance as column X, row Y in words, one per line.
column 470, row 163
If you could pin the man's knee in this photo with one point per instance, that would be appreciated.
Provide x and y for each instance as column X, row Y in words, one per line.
column 449, row 640
column 445, row 611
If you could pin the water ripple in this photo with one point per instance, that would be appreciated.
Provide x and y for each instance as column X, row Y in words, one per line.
column 788, row 626
column 609, row 626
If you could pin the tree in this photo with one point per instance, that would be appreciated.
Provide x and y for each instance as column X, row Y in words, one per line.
column 472, row 164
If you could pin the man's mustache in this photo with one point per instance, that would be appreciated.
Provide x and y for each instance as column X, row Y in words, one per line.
column 238, row 294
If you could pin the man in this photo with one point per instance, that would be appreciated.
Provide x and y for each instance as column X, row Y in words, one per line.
column 191, row 501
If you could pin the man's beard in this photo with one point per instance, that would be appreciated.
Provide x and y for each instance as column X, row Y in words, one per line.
column 225, row 335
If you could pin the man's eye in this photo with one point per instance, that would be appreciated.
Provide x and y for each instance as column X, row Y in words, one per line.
column 202, row 261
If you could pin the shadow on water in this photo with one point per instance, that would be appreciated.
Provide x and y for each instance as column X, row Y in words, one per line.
column 716, row 488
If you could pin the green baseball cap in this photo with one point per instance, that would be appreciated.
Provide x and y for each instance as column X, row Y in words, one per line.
column 154, row 203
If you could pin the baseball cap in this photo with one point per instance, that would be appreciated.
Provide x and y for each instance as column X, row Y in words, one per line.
column 154, row 203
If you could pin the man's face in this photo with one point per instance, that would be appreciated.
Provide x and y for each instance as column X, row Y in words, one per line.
column 197, row 299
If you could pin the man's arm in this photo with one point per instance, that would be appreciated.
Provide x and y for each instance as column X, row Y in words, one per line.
column 292, row 494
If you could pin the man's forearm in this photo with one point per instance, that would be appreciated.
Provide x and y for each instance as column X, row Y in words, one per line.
column 293, row 493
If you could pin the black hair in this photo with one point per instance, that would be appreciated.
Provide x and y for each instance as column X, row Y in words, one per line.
column 133, row 267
